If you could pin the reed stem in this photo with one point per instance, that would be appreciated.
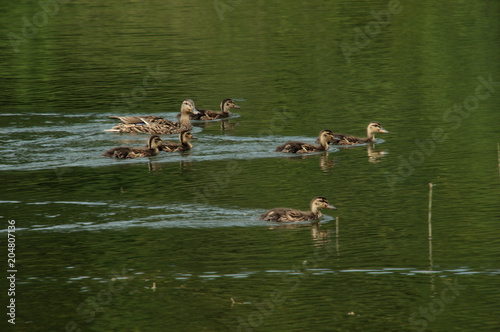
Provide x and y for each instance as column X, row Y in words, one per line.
column 498, row 155
column 430, row 210
column 337, row 226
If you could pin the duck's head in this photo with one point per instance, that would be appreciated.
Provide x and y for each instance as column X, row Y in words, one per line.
column 154, row 142
column 373, row 128
column 326, row 136
column 185, row 136
column 188, row 107
column 320, row 202
column 227, row 104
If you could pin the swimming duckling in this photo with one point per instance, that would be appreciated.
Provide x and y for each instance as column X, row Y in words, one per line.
column 325, row 136
column 154, row 124
column 184, row 137
column 292, row 215
column 152, row 149
column 225, row 106
column 373, row 128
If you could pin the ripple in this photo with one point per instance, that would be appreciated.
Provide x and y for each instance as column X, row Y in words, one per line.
column 71, row 141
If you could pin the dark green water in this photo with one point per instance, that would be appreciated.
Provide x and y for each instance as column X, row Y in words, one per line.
column 94, row 235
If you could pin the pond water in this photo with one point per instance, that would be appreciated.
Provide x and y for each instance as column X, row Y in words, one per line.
column 173, row 242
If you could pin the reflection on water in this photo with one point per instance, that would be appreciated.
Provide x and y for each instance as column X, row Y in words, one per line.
column 374, row 155
column 95, row 235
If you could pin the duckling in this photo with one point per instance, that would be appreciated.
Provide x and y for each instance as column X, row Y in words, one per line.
column 184, row 137
column 292, row 215
column 325, row 136
column 152, row 149
column 373, row 128
column 225, row 106
column 156, row 125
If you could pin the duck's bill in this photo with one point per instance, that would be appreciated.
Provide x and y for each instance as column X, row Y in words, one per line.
column 331, row 207
column 195, row 111
column 382, row 130
column 235, row 106
column 192, row 137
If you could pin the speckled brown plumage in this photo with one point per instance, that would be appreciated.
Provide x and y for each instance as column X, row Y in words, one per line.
column 152, row 149
column 183, row 145
column 204, row 114
column 325, row 136
column 373, row 128
column 155, row 125
column 293, row 215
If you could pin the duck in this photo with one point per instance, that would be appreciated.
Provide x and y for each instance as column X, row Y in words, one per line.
column 152, row 149
column 373, row 128
column 325, row 136
column 156, row 125
column 293, row 215
column 184, row 137
column 203, row 114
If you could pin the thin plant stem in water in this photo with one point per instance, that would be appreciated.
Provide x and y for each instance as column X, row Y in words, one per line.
column 430, row 236
column 430, row 210
column 498, row 155
column 337, row 234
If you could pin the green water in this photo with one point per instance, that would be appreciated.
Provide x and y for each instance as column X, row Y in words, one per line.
column 94, row 235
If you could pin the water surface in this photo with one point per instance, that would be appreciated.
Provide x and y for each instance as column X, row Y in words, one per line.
column 174, row 243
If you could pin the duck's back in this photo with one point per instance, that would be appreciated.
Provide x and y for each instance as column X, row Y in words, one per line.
column 129, row 153
column 120, row 152
column 297, row 147
column 343, row 139
column 175, row 147
column 286, row 214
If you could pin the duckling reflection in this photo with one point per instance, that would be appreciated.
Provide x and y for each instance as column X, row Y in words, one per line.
column 374, row 156
column 293, row 215
column 320, row 236
column 157, row 167
column 154, row 167
column 325, row 164
column 224, row 124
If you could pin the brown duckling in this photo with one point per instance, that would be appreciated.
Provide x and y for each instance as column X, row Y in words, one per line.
column 292, row 215
column 154, row 124
column 203, row 114
column 373, row 128
column 225, row 106
column 152, row 149
column 184, row 137
column 325, row 136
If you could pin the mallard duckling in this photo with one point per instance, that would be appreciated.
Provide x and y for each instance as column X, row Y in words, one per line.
column 373, row 128
column 184, row 137
column 203, row 114
column 225, row 106
column 152, row 149
column 325, row 136
column 292, row 215
column 154, row 124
